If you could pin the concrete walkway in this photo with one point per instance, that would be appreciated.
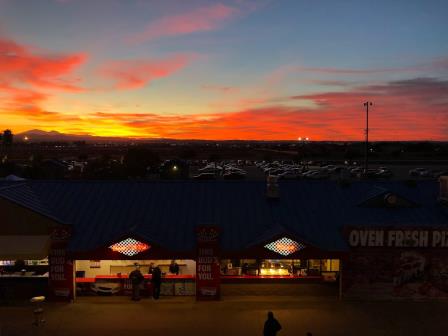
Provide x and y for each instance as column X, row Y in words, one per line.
column 114, row 316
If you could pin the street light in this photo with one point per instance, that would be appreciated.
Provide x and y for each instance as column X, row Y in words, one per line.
column 366, row 163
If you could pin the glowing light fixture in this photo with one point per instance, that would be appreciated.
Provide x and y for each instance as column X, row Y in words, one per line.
column 129, row 247
column 285, row 246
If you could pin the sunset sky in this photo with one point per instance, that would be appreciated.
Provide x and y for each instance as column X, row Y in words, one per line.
column 239, row 69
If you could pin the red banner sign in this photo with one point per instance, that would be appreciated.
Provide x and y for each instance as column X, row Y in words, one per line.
column 61, row 268
column 207, row 264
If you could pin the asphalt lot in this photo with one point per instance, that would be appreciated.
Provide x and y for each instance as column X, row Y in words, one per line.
column 231, row 316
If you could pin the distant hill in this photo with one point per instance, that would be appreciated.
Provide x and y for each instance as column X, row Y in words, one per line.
column 37, row 135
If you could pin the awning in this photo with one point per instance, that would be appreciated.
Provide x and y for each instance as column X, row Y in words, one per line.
column 24, row 247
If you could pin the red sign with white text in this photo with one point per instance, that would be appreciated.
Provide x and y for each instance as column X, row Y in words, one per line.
column 207, row 264
column 61, row 268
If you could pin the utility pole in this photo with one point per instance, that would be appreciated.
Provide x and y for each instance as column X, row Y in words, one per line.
column 366, row 162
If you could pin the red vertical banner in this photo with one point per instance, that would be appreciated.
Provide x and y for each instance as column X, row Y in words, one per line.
column 208, row 276
column 61, row 267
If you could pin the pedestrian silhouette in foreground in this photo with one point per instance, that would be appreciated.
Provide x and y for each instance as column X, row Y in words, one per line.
column 271, row 326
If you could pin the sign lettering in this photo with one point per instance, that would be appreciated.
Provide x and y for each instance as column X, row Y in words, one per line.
column 398, row 238
column 207, row 264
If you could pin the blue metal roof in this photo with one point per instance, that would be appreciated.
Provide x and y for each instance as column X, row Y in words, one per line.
column 23, row 195
column 166, row 212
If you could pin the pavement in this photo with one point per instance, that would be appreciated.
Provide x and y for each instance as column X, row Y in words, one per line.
column 234, row 315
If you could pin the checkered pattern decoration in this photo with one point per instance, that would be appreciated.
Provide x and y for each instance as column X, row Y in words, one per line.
column 129, row 247
column 285, row 246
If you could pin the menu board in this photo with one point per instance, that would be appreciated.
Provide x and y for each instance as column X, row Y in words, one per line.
column 207, row 264
column 61, row 268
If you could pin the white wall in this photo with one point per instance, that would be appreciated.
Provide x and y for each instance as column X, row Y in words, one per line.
column 108, row 267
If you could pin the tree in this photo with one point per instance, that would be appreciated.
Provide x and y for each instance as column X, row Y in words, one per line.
column 7, row 137
column 174, row 169
column 138, row 160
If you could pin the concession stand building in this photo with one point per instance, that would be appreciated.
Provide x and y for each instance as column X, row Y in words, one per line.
column 365, row 239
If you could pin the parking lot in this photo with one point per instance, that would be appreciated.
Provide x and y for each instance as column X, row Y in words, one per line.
column 293, row 171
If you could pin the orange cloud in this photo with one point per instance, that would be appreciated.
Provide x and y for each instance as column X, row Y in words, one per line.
column 415, row 109
column 201, row 19
column 132, row 74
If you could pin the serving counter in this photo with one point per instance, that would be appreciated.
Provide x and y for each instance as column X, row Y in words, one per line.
column 22, row 287
column 177, row 285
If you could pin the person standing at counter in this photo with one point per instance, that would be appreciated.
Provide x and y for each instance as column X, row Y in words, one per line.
column 156, row 281
column 174, row 267
column 136, row 278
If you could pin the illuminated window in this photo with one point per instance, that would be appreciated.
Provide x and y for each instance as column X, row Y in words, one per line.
column 284, row 246
column 129, row 247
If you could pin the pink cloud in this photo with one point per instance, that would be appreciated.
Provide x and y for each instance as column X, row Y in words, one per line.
column 201, row 19
column 132, row 74
column 27, row 79
column 20, row 65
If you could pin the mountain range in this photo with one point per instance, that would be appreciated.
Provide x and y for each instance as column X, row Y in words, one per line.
column 36, row 135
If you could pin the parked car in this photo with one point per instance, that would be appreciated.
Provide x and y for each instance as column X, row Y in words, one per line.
column 205, row 176
column 439, row 173
column 356, row 171
column 234, row 175
column 275, row 171
column 328, row 168
column 419, row 172
column 318, row 175
column 384, row 173
column 289, row 175
column 315, row 175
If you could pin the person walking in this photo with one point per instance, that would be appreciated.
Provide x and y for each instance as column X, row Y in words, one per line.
column 136, row 278
column 271, row 326
column 156, row 281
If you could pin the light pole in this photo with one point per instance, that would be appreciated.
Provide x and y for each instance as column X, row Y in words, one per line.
column 366, row 162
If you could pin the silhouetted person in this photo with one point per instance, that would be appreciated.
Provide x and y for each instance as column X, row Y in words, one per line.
column 156, row 282
column 271, row 326
column 309, row 334
column 174, row 267
column 136, row 279
column 151, row 268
